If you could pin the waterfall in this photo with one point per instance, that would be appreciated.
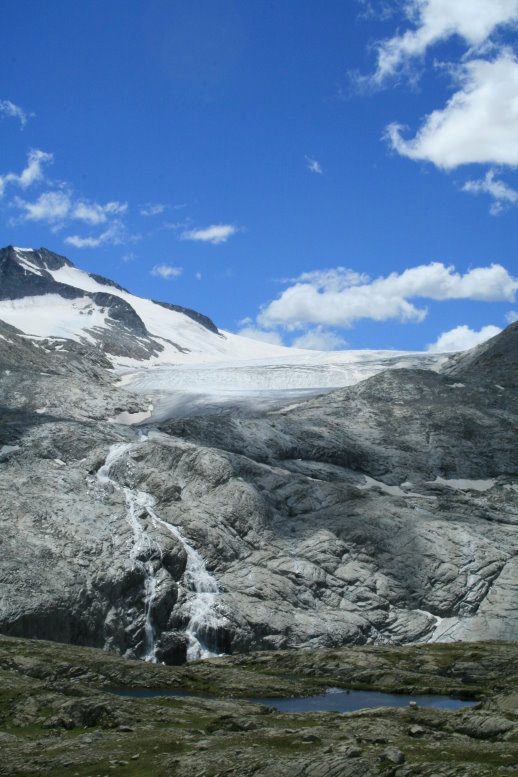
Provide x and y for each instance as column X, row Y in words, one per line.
column 200, row 586
column 202, row 605
column 136, row 501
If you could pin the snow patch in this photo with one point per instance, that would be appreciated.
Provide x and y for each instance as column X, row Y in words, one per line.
column 392, row 490
column 128, row 419
column 50, row 315
column 25, row 263
column 463, row 484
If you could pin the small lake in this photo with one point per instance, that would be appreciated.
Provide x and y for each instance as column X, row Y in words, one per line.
column 333, row 700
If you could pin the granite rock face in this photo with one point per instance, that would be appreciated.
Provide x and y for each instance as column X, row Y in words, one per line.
column 386, row 511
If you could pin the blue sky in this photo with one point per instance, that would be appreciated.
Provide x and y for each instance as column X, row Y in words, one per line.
column 318, row 174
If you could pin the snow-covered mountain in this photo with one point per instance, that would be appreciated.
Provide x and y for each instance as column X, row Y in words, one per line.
column 195, row 365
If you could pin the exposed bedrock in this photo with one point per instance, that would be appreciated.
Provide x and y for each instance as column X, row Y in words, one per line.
column 386, row 511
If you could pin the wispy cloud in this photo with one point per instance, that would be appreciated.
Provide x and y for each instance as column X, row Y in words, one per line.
column 313, row 165
column 215, row 234
column 59, row 206
column 176, row 225
column 31, row 173
column 7, row 108
column 511, row 316
column 462, row 337
column 152, row 209
column 339, row 297
column 94, row 213
column 166, row 271
column 503, row 194
column 51, row 207
column 433, row 21
column 54, row 206
column 115, row 234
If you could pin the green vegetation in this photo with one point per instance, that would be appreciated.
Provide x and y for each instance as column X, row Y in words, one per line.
column 58, row 716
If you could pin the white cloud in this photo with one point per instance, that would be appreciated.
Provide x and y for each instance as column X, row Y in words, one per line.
column 166, row 271
column 216, row 233
column 32, row 173
column 152, row 209
column 478, row 124
column 511, row 316
column 58, row 206
column 260, row 334
column 51, row 207
column 319, row 339
column 502, row 193
column 314, row 166
column 462, row 337
column 340, row 297
column 198, row 276
column 7, row 108
column 437, row 20
column 115, row 234
column 93, row 213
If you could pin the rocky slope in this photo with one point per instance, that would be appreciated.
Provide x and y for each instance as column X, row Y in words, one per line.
column 384, row 511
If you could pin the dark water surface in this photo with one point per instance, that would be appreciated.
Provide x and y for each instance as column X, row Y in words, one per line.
column 334, row 700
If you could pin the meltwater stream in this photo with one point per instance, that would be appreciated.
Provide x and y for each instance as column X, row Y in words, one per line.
column 201, row 587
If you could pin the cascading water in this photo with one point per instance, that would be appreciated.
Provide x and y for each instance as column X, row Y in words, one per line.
column 203, row 619
column 200, row 586
column 135, row 502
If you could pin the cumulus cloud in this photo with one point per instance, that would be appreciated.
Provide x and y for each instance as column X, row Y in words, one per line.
column 313, row 165
column 462, row 338
column 152, row 209
column 319, row 339
column 503, row 194
column 437, row 20
column 166, row 271
column 7, row 108
column 511, row 316
column 477, row 125
column 32, row 172
column 260, row 334
column 339, row 297
column 216, row 233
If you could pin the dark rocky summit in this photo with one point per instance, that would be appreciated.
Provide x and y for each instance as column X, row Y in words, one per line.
column 26, row 273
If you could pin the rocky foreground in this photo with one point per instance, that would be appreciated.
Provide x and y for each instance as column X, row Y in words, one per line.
column 58, row 716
